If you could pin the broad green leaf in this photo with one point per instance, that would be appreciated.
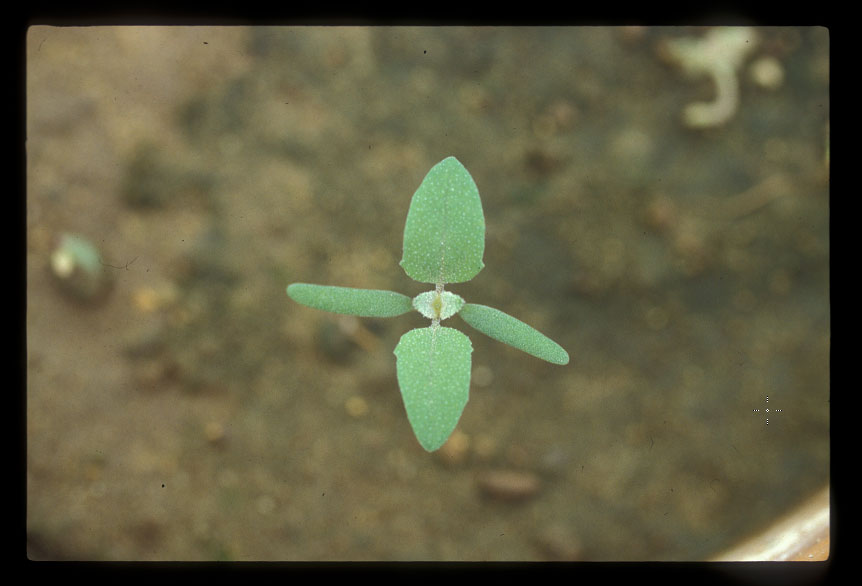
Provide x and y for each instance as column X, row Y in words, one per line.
column 444, row 236
column 505, row 328
column 361, row 302
column 434, row 305
column 433, row 369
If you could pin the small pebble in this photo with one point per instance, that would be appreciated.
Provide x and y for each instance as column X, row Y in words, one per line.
column 564, row 113
column 555, row 461
column 509, row 485
column 152, row 299
column 150, row 373
column 456, row 449
column 660, row 214
column 485, row 447
column 767, row 72
column 356, row 406
column 214, row 432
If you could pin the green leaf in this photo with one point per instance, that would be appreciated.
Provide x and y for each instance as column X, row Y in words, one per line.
column 433, row 369
column 444, row 236
column 361, row 302
column 438, row 305
column 505, row 328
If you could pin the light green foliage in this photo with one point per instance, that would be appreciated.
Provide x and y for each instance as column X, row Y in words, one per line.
column 505, row 328
column 361, row 302
column 444, row 240
column 79, row 251
column 438, row 305
column 444, row 237
column 77, row 267
column 433, row 368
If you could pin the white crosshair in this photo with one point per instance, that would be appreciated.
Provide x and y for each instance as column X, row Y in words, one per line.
column 767, row 410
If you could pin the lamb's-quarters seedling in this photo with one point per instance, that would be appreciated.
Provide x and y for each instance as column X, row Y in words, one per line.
column 444, row 241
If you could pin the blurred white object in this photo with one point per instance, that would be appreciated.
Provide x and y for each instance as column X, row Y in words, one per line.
column 719, row 54
column 803, row 535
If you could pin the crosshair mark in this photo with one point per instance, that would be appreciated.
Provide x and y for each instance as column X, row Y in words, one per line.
column 767, row 411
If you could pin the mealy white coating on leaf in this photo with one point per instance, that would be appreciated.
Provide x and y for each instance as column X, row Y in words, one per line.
column 346, row 300
column 444, row 234
column 433, row 369
column 434, row 305
column 509, row 330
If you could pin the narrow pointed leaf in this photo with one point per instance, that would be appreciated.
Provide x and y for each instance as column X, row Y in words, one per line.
column 361, row 302
column 509, row 330
column 444, row 236
column 433, row 369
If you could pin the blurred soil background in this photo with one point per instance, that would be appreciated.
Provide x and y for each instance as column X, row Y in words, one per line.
column 191, row 411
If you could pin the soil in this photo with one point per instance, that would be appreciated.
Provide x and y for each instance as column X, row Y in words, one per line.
column 193, row 412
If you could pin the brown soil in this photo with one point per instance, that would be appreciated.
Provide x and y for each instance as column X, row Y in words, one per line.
column 196, row 413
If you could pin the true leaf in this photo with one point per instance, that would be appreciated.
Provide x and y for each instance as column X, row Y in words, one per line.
column 509, row 330
column 361, row 302
column 444, row 241
column 433, row 370
column 434, row 305
column 444, row 236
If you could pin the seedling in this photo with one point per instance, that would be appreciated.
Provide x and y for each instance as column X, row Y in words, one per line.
column 444, row 240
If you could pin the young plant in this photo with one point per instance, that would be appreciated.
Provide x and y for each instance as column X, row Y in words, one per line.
column 444, row 240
